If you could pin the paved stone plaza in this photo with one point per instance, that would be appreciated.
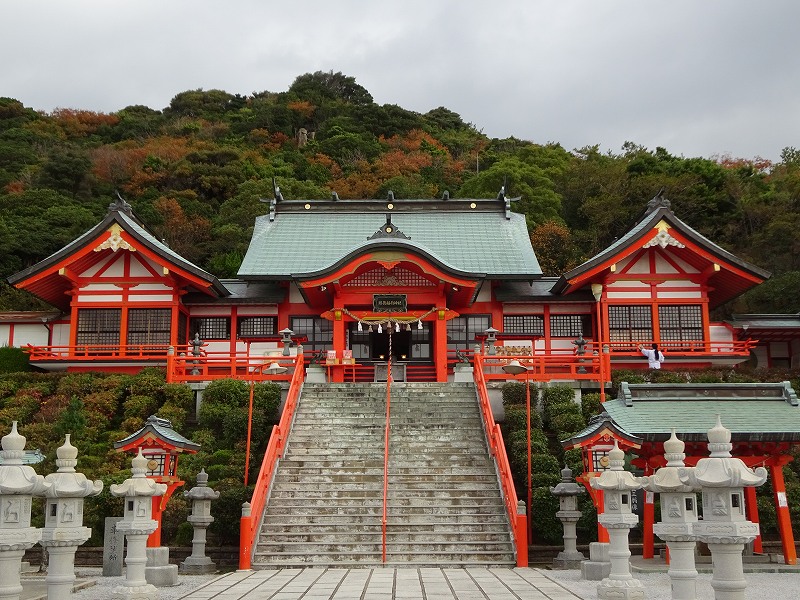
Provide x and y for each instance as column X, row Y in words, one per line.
column 384, row 584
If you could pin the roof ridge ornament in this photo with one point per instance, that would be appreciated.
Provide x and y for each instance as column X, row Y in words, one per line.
column 120, row 205
column 659, row 201
column 388, row 231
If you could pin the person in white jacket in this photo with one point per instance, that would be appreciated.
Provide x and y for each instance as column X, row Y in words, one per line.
column 654, row 356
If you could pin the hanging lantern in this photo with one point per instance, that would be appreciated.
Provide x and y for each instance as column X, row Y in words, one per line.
column 397, row 327
column 380, row 329
column 370, row 328
column 360, row 326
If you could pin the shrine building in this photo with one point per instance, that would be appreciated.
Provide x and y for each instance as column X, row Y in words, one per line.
column 445, row 275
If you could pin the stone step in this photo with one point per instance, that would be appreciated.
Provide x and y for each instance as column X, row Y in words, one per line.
column 403, row 530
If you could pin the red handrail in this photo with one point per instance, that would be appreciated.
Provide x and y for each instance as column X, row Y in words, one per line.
column 386, row 460
column 276, row 448
column 519, row 522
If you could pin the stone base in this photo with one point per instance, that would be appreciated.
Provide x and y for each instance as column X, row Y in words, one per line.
column 568, row 560
column 197, row 566
column 615, row 589
column 158, row 571
column 595, row 571
column 463, row 374
column 598, row 567
column 316, row 375
column 139, row 592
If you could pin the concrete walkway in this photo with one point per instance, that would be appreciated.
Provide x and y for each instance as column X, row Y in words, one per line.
column 383, row 584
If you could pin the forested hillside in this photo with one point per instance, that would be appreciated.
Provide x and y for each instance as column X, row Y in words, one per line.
column 195, row 171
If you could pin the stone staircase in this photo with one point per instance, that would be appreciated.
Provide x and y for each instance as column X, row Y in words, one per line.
column 444, row 502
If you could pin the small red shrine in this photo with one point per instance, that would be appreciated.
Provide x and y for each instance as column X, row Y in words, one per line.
column 161, row 445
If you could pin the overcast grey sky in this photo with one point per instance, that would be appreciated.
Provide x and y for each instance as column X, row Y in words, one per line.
column 698, row 77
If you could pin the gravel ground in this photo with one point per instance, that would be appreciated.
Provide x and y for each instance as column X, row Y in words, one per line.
column 105, row 585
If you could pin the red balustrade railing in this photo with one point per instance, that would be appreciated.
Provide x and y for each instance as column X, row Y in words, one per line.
column 386, row 462
column 92, row 352
column 276, row 448
column 519, row 522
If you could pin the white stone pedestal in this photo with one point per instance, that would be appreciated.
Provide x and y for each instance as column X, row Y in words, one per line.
column 158, row 570
column 620, row 584
column 598, row 566
column 136, row 586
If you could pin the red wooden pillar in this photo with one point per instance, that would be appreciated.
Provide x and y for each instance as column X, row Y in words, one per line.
column 751, row 506
column 782, row 510
column 440, row 345
column 338, row 343
column 649, row 514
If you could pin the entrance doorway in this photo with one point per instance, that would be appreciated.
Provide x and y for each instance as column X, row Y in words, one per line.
column 413, row 345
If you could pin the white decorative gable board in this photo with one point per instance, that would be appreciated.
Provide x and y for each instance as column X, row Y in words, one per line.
column 485, row 294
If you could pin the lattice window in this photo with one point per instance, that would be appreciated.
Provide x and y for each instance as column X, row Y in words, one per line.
column 382, row 277
column 98, row 326
column 211, row 328
column 524, row 324
column 680, row 323
column 461, row 331
column 319, row 332
column 149, row 326
column 571, row 326
column 632, row 323
column 257, row 326
column 183, row 328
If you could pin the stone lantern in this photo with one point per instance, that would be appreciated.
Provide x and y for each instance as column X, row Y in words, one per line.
column 18, row 484
column 568, row 492
column 137, row 524
column 617, row 486
column 63, row 520
column 201, row 496
column 678, row 518
column 724, row 527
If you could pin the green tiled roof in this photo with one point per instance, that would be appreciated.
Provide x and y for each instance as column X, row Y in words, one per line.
column 296, row 243
column 163, row 429
column 753, row 411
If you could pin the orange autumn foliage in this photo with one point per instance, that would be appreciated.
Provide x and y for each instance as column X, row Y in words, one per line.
column 78, row 123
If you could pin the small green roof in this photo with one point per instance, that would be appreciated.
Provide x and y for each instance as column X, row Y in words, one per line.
column 293, row 241
column 160, row 428
column 751, row 411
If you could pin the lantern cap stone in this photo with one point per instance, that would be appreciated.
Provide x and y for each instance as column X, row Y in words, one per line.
column 567, row 486
column 719, row 440
column 13, row 443
column 67, row 456
column 674, row 451
column 138, row 484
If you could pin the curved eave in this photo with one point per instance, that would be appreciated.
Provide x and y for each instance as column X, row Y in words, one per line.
column 384, row 244
column 581, row 275
column 79, row 245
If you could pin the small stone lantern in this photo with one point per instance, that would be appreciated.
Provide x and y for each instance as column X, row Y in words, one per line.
column 568, row 492
column 63, row 520
column 724, row 527
column 201, row 496
column 617, row 486
column 491, row 340
column 137, row 524
column 678, row 519
column 18, row 484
